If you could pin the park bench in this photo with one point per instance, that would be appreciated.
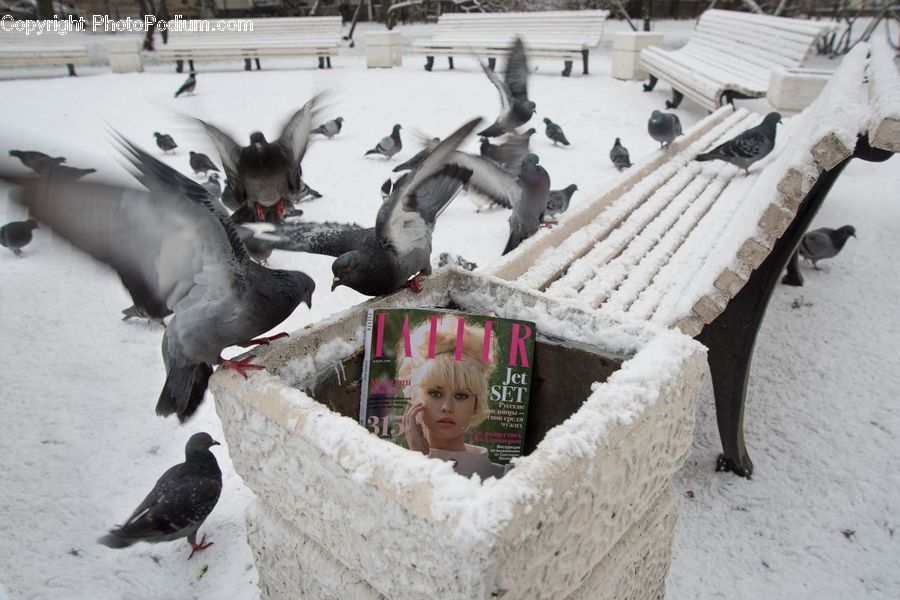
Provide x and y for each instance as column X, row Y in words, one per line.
column 731, row 55
column 227, row 39
column 566, row 35
column 700, row 246
column 48, row 49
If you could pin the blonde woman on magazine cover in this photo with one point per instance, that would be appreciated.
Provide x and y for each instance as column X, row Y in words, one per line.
column 448, row 396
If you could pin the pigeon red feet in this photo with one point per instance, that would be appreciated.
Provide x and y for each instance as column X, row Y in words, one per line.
column 279, row 208
column 260, row 212
column 549, row 224
column 264, row 340
column 242, row 365
column 415, row 284
column 199, row 547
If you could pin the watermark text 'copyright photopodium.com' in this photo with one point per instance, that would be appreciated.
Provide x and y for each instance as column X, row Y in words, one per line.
column 104, row 24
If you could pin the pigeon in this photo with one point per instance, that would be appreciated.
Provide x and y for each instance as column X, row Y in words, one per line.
column 389, row 145
column 178, row 504
column 330, row 128
column 264, row 175
column 747, row 147
column 823, row 243
column 17, row 235
column 157, row 314
column 515, row 107
column 529, row 210
column 259, row 248
column 382, row 259
column 36, row 161
column 558, row 201
column 165, row 141
column 188, row 86
column 417, row 159
column 555, row 133
column 619, row 156
column 510, row 153
column 446, row 258
column 213, row 186
column 201, row 163
column 664, row 127
column 171, row 244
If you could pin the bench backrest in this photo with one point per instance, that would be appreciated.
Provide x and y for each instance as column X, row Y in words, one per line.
column 17, row 39
column 300, row 28
column 583, row 27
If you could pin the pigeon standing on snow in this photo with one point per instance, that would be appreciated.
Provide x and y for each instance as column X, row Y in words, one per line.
column 515, row 107
column 555, row 133
column 823, row 243
column 619, row 156
column 664, row 127
column 17, row 235
column 164, row 141
column 172, row 245
column 178, row 504
column 330, row 128
column 389, row 145
column 201, row 163
column 213, row 186
column 37, row 161
column 558, row 201
column 188, row 86
column 747, row 147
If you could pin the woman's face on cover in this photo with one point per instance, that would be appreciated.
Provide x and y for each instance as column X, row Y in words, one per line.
column 448, row 410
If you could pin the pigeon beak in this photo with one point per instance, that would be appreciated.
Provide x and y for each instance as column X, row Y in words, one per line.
column 335, row 283
column 308, row 301
column 215, row 443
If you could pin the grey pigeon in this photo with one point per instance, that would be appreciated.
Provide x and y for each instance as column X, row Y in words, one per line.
column 178, row 504
column 418, row 157
column 330, row 128
column 36, row 161
column 389, row 145
column 619, row 156
column 558, row 201
column 664, row 127
column 515, row 107
column 529, row 210
column 446, row 258
column 17, row 235
column 259, row 248
column 213, row 186
column 201, row 163
column 264, row 175
column 188, row 86
column 382, row 259
column 555, row 133
column 510, row 153
column 747, row 147
column 823, row 243
column 171, row 244
column 165, row 141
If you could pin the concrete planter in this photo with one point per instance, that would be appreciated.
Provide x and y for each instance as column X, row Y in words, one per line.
column 383, row 49
column 124, row 55
column 588, row 513
column 795, row 89
column 627, row 46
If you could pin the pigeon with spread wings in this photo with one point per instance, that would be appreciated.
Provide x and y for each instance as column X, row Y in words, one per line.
column 515, row 107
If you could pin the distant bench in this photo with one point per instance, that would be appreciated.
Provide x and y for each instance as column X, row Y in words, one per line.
column 270, row 38
column 700, row 246
column 47, row 49
column 563, row 34
column 730, row 55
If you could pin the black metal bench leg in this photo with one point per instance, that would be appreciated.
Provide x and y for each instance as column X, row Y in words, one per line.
column 191, row 64
column 793, row 275
column 258, row 67
column 179, row 66
column 677, row 97
column 248, row 65
column 648, row 87
column 429, row 63
column 71, row 69
column 450, row 62
column 328, row 61
column 321, row 62
column 584, row 61
column 567, row 68
column 492, row 63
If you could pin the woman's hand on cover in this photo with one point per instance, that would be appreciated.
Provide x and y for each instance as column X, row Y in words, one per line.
column 415, row 435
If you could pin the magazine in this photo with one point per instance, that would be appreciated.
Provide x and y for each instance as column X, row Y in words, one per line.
column 449, row 384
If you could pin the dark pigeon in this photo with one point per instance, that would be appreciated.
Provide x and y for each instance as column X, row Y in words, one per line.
column 178, row 504
column 165, row 141
column 265, row 176
column 213, row 186
column 555, row 133
column 17, row 235
column 515, row 107
column 418, row 157
column 747, row 147
column 389, row 145
column 201, row 163
column 558, row 202
column 37, row 161
column 171, row 244
column 330, row 128
column 664, row 127
column 188, row 86
column 823, row 243
column 619, row 156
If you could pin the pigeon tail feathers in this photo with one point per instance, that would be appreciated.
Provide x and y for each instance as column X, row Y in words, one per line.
column 183, row 391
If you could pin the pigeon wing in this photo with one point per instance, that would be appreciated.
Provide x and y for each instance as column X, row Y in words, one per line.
column 516, row 76
column 489, row 179
column 295, row 135
column 230, row 154
column 502, row 89
column 330, row 239
column 817, row 245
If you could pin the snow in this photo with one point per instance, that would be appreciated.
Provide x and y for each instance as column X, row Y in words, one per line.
column 80, row 445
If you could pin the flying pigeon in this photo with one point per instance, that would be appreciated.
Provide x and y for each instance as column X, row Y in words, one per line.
column 165, row 141
column 747, row 147
column 389, row 145
column 664, row 127
column 418, row 157
column 264, row 175
column 171, row 244
column 37, row 161
column 515, row 107
column 201, row 163
column 823, row 243
column 619, row 156
column 213, row 186
column 510, row 153
column 558, row 201
column 330, row 128
column 382, row 259
column 178, row 504
column 555, row 133
column 188, row 86
column 17, row 235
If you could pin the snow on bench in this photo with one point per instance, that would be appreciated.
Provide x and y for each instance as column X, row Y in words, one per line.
column 730, row 55
column 700, row 246
column 564, row 34
column 270, row 37
column 48, row 49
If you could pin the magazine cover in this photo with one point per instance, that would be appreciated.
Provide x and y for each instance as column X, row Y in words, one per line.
column 449, row 384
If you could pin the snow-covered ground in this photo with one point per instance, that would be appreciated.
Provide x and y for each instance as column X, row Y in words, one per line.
column 80, row 445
